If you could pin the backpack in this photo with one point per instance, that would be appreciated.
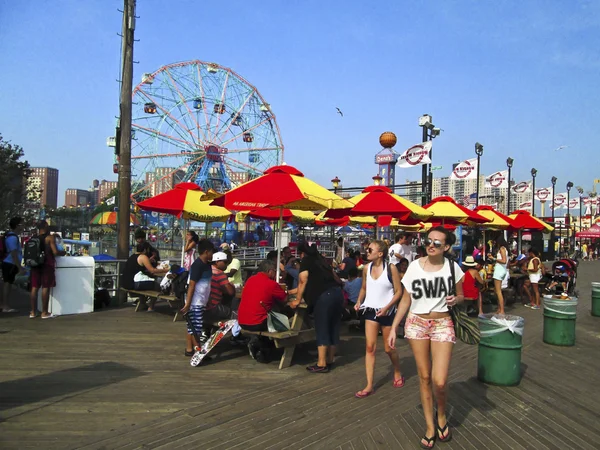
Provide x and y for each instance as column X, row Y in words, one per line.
column 179, row 285
column 3, row 250
column 33, row 253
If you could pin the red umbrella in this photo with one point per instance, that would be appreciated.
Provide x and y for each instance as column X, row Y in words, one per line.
column 592, row 232
column 523, row 220
column 170, row 202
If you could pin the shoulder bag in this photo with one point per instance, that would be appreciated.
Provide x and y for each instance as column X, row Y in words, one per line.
column 466, row 329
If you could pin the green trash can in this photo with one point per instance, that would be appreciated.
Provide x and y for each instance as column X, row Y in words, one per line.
column 559, row 321
column 596, row 299
column 499, row 357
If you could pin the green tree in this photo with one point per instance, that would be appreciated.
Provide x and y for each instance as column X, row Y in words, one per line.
column 15, row 197
column 103, row 207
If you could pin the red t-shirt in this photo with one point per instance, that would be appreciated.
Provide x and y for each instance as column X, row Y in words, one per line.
column 470, row 289
column 259, row 288
column 217, row 283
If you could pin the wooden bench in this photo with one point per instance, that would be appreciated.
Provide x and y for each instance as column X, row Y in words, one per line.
column 289, row 339
column 173, row 301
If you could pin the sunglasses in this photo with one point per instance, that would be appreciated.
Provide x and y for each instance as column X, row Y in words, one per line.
column 436, row 243
column 370, row 250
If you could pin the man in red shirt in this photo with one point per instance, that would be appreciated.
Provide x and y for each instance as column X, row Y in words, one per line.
column 260, row 294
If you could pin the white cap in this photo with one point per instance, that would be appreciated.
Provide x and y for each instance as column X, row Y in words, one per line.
column 219, row 256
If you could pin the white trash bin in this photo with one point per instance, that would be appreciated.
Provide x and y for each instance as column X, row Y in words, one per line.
column 74, row 291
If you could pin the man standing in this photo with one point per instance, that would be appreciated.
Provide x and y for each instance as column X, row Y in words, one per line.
column 43, row 276
column 198, row 293
column 220, row 286
column 11, row 265
column 401, row 249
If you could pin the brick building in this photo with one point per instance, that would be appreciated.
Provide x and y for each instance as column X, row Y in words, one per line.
column 77, row 197
column 44, row 180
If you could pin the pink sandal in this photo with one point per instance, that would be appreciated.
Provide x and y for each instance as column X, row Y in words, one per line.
column 399, row 383
column 363, row 394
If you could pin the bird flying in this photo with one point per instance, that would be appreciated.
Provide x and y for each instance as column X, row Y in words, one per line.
column 561, row 147
column 339, row 111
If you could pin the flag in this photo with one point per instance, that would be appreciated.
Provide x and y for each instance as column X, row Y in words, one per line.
column 560, row 200
column 111, row 201
column 497, row 180
column 466, row 170
column 469, row 201
column 524, row 187
column 543, row 194
column 525, row 205
column 417, row 155
column 573, row 203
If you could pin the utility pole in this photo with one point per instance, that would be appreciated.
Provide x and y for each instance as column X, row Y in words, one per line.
column 123, row 218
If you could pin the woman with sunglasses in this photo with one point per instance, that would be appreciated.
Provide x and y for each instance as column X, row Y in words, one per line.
column 378, row 298
column 500, row 269
column 428, row 294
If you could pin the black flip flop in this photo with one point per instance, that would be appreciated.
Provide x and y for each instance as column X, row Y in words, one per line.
column 430, row 442
column 442, row 431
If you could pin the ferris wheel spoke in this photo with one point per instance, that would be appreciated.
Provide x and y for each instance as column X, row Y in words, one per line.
column 184, row 102
column 243, row 165
column 167, row 113
column 229, row 123
column 252, row 149
column 222, row 103
column 253, row 127
column 203, row 96
column 181, row 143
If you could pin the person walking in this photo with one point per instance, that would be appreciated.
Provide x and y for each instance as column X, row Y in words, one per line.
column 380, row 292
column 428, row 285
column 320, row 288
column 500, row 269
column 11, row 264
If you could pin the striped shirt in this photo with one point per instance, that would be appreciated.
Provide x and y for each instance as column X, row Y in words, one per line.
column 217, row 285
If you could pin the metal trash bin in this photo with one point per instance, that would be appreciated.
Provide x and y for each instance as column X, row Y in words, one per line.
column 559, row 321
column 596, row 299
column 499, row 355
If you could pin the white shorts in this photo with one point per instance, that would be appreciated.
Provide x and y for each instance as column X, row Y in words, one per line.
column 499, row 272
column 535, row 277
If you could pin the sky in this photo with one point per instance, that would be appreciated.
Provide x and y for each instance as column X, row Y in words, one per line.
column 520, row 77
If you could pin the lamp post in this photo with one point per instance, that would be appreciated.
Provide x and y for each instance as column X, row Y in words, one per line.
column 509, row 164
column 335, row 183
column 553, row 248
column 533, row 174
column 580, row 190
column 479, row 153
column 430, row 131
column 568, row 216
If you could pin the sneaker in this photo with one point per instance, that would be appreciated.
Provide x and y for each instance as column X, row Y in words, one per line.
column 526, row 305
column 253, row 350
column 535, row 307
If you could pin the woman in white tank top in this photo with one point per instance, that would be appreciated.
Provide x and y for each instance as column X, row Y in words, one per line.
column 380, row 293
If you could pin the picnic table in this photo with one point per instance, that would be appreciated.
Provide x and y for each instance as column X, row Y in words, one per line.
column 298, row 333
column 155, row 296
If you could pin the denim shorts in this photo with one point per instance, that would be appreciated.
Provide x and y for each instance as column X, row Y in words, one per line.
column 384, row 321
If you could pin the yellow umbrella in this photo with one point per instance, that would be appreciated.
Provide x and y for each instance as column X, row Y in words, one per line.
column 497, row 220
column 202, row 211
column 289, row 215
column 420, row 227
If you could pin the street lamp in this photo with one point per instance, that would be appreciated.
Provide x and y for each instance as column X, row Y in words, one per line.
column 533, row 175
column 509, row 164
column 479, row 153
column 335, row 183
column 568, row 215
column 377, row 180
column 430, row 131
column 580, row 190
column 553, row 180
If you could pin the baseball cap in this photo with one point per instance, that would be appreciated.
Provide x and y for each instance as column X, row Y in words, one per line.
column 219, row 256
column 521, row 257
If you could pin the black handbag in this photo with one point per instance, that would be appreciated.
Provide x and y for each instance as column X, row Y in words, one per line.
column 466, row 329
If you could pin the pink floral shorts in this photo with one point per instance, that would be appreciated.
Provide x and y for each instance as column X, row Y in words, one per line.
column 437, row 330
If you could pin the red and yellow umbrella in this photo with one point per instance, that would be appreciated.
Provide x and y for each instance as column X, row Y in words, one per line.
column 289, row 215
column 184, row 200
column 523, row 220
column 497, row 220
column 447, row 212
column 110, row 218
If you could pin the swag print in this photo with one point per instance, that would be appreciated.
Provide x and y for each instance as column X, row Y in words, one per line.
column 438, row 287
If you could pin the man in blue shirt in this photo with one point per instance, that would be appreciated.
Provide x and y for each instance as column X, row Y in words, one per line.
column 11, row 265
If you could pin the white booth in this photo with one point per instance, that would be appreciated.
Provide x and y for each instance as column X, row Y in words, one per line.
column 74, row 291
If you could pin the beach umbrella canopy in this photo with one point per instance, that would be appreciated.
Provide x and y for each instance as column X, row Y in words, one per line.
column 110, row 218
column 523, row 220
column 281, row 187
column 592, row 232
column 289, row 215
column 447, row 212
column 381, row 201
column 497, row 220
column 184, row 200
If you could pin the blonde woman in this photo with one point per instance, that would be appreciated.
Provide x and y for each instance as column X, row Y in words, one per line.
column 380, row 293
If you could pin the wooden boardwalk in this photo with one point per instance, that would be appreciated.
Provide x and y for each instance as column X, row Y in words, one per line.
column 118, row 379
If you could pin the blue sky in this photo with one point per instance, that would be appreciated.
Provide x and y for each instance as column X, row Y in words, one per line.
column 519, row 77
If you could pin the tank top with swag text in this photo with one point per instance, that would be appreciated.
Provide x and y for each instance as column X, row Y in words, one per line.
column 380, row 291
column 428, row 290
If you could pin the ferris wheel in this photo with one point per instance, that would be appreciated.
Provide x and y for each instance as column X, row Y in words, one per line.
column 200, row 122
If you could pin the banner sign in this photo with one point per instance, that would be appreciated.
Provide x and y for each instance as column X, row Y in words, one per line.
column 573, row 203
column 497, row 180
column 524, row 187
column 543, row 194
column 525, row 205
column 466, row 170
column 417, row 155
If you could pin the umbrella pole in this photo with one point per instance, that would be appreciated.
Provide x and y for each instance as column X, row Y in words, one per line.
column 519, row 237
column 484, row 244
column 279, row 231
column 183, row 235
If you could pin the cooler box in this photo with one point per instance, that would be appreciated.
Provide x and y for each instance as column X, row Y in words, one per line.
column 74, row 291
